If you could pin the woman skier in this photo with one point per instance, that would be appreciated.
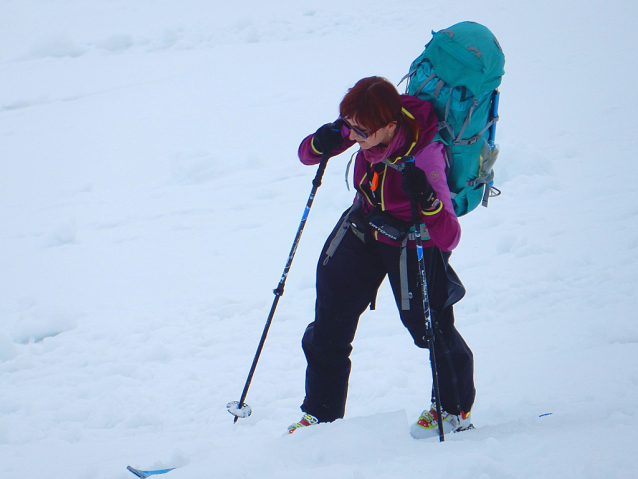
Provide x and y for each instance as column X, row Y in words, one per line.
column 373, row 239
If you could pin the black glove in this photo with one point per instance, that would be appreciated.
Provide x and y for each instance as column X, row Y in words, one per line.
column 328, row 137
column 418, row 187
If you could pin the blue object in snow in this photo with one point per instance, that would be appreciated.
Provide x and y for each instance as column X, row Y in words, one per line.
column 145, row 474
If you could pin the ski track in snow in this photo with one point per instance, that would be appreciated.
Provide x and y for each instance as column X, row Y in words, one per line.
column 151, row 192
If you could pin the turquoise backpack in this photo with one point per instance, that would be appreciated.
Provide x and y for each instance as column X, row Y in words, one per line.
column 459, row 73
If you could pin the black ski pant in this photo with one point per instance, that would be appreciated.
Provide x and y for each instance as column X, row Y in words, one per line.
column 346, row 286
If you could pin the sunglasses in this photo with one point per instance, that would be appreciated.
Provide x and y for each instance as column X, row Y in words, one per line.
column 361, row 134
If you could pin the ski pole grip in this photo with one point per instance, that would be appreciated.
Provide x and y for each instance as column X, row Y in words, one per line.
column 322, row 167
column 409, row 165
column 408, row 161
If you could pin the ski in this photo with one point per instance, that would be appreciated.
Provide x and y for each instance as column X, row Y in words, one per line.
column 145, row 474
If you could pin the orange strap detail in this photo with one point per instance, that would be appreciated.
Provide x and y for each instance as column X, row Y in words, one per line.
column 375, row 181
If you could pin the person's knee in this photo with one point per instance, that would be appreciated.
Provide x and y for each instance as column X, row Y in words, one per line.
column 325, row 348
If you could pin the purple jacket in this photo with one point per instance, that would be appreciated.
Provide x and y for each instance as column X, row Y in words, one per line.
column 443, row 225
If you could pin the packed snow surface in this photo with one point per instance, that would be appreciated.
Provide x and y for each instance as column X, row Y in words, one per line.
column 150, row 193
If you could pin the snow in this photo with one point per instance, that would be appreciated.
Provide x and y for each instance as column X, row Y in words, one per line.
column 150, row 193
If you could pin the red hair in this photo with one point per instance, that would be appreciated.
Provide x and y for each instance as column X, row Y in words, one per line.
column 373, row 103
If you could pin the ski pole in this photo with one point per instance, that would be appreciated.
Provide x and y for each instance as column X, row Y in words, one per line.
column 492, row 155
column 429, row 330
column 493, row 117
column 239, row 408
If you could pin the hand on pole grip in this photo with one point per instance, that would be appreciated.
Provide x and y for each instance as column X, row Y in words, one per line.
column 328, row 137
column 417, row 185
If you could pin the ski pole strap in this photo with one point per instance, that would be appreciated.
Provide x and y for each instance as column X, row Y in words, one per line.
column 403, row 275
column 338, row 237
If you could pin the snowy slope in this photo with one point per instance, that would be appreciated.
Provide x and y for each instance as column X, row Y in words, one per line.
column 151, row 192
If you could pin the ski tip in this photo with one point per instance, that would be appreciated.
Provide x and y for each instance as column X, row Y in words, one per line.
column 546, row 414
column 136, row 472
column 145, row 474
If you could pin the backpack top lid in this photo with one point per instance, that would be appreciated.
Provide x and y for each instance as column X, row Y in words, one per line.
column 467, row 54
